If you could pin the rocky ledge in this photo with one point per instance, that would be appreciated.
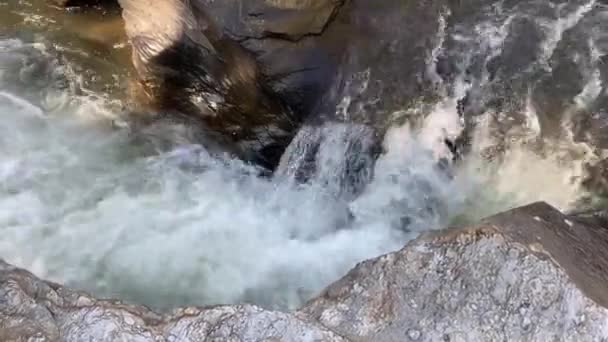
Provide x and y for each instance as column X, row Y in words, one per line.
column 530, row 274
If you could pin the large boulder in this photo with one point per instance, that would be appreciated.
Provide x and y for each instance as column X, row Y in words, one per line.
column 312, row 53
column 292, row 62
column 254, row 71
column 186, row 65
column 35, row 310
column 530, row 274
column 349, row 60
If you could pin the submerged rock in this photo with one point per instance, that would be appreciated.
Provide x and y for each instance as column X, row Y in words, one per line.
column 530, row 274
column 341, row 157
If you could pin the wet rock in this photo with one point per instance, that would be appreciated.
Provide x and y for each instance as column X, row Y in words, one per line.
column 530, row 274
column 592, row 217
column 356, row 60
column 340, row 157
column 256, row 70
column 187, row 65
column 35, row 310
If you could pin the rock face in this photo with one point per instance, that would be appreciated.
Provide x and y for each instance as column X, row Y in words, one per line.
column 372, row 54
column 35, row 310
column 255, row 71
column 531, row 274
column 187, row 65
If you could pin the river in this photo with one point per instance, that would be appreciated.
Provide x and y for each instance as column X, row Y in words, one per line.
column 83, row 203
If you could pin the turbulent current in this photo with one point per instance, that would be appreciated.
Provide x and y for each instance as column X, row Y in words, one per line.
column 83, row 203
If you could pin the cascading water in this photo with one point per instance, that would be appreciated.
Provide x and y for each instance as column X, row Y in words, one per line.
column 84, row 204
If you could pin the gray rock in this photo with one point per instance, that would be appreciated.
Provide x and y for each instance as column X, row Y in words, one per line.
column 35, row 310
column 530, row 274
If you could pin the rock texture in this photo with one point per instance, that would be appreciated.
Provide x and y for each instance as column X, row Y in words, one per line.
column 187, row 66
column 531, row 274
column 343, row 61
column 294, row 62
column 35, row 310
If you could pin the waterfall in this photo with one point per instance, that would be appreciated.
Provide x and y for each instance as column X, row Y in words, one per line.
column 520, row 85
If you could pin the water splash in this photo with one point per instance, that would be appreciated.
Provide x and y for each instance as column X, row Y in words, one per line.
column 81, row 204
column 556, row 29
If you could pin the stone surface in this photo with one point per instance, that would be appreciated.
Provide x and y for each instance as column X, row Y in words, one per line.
column 331, row 51
column 35, row 310
column 254, row 71
column 530, row 274
column 188, row 67
column 376, row 63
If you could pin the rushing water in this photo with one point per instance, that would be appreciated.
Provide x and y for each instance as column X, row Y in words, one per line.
column 83, row 203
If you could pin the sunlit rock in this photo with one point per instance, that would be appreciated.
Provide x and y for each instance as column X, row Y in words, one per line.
column 35, row 310
column 530, row 274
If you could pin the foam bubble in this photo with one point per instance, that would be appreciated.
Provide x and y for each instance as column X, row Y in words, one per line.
column 181, row 227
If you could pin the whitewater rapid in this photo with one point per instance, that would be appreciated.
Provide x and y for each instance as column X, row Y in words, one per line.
column 81, row 203
column 180, row 227
column 77, row 206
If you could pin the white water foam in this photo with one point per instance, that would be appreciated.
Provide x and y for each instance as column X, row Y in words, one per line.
column 78, row 205
column 555, row 29
column 183, row 227
column 521, row 173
